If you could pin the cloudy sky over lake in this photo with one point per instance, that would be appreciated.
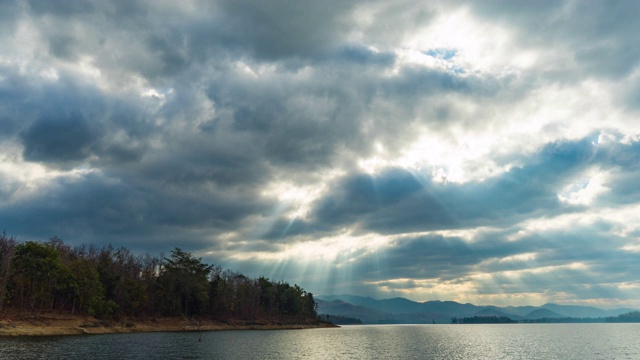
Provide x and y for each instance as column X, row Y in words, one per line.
column 484, row 152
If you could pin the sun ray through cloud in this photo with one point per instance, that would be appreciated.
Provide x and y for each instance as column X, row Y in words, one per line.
column 442, row 150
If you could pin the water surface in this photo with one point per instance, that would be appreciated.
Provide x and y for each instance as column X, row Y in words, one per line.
column 482, row 341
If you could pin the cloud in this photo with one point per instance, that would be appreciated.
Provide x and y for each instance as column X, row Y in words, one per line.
column 365, row 56
column 58, row 140
column 65, row 8
column 441, row 141
column 592, row 36
column 502, row 265
column 95, row 206
column 278, row 30
column 399, row 201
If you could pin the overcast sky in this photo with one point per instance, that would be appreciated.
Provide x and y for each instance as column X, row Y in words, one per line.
column 484, row 151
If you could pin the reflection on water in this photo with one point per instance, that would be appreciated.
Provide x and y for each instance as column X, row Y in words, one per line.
column 507, row 341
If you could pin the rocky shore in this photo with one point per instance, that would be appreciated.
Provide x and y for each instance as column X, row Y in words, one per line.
column 64, row 324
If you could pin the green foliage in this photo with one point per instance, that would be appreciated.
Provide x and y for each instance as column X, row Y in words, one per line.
column 184, row 282
column 109, row 284
column 7, row 251
column 102, row 309
column 37, row 269
column 88, row 287
column 630, row 317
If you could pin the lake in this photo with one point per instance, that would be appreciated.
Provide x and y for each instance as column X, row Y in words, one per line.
column 483, row 341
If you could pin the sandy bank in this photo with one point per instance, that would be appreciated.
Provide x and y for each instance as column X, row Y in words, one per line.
column 53, row 324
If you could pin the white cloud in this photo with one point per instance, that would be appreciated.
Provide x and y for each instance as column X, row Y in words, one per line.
column 585, row 189
column 337, row 135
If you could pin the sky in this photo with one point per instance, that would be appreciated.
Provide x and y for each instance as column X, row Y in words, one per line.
column 484, row 152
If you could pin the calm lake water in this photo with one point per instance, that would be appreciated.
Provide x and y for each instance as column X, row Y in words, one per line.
column 507, row 341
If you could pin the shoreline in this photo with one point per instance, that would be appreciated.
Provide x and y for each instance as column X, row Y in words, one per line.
column 63, row 325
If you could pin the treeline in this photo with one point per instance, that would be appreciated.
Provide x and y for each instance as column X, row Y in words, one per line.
column 563, row 320
column 633, row 316
column 113, row 283
column 630, row 317
column 483, row 320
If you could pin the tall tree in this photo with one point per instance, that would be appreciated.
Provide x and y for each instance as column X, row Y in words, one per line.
column 37, row 268
column 184, row 280
column 89, row 295
column 7, row 251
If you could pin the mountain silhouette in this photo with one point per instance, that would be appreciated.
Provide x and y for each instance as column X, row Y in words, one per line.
column 404, row 311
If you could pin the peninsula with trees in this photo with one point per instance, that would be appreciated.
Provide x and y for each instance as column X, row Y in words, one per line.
column 50, row 288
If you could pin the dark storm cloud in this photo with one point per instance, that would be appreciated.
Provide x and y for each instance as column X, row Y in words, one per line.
column 145, row 194
column 209, row 162
column 96, row 207
column 284, row 229
column 64, row 139
column 78, row 207
column 61, row 46
column 64, row 8
column 364, row 56
column 9, row 14
column 13, row 92
column 66, row 122
column 432, row 257
column 168, row 51
column 401, row 201
column 280, row 29
column 294, row 122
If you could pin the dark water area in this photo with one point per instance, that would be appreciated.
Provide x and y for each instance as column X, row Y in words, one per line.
column 485, row 341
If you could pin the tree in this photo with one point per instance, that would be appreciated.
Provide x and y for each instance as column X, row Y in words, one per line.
column 37, row 269
column 111, row 279
column 127, row 281
column 7, row 251
column 184, row 280
column 268, row 296
column 88, row 291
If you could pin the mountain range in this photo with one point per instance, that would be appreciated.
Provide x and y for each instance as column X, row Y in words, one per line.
column 405, row 311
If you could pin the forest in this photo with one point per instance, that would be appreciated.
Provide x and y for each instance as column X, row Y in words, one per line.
column 111, row 284
column 483, row 320
column 630, row 317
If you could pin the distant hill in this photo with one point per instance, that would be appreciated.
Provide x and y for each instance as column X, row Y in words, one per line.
column 405, row 306
column 341, row 308
column 405, row 311
column 393, row 306
column 516, row 310
column 373, row 316
column 542, row 314
column 492, row 312
column 584, row 311
column 339, row 319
